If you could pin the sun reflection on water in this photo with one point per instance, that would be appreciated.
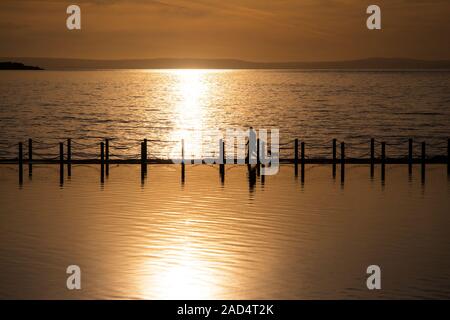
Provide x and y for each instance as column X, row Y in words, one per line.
column 182, row 273
column 192, row 92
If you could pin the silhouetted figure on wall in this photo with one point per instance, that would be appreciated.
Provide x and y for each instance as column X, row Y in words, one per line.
column 251, row 147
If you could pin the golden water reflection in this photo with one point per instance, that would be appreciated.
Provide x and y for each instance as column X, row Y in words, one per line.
column 208, row 240
column 192, row 93
column 180, row 273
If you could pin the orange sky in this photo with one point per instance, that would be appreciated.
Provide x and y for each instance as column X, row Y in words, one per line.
column 259, row 30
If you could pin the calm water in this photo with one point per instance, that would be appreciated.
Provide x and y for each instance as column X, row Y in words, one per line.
column 202, row 239
column 168, row 105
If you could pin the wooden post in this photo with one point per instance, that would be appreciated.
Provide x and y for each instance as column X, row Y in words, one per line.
column 296, row 157
column 221, row 154
column 145, row 156
column 372, row 157
column 423, row 159
column 102, row 161
column 61, row 163
column 383, row 159
column 302, row 161
column 258, row 160
column 448, row 157
column 107, row 156
column 263, row 151
column 30, row 157
column 342, row 161
column 69, row 157
column 410, row 155
column 222, row 159
column 182, row 151
column 20, row 163
column 248, row 152
column 142, row 162
column 182, row 161
column 334, row 158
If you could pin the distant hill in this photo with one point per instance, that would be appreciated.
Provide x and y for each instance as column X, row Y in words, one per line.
column 16, row 66
column 370, row 63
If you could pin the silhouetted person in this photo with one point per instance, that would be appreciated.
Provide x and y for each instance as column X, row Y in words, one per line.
column 251, row 147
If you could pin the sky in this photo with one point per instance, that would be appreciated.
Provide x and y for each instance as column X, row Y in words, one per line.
column 255, row 30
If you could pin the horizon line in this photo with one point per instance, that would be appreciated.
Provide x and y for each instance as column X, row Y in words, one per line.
column 228, row 59
column 373, row 63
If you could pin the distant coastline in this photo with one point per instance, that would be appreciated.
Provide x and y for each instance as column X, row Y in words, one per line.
column 88, row 64
column 16, row 66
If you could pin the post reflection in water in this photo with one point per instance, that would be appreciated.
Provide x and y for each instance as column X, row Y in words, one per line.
column 206, row 240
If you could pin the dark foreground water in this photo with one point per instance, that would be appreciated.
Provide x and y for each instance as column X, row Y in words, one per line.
column 203, row 239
